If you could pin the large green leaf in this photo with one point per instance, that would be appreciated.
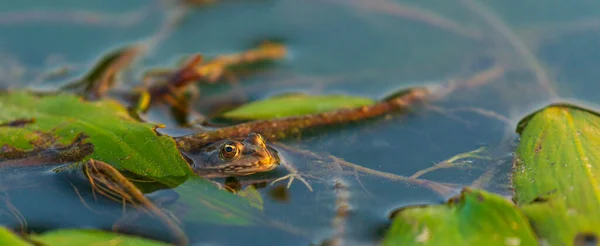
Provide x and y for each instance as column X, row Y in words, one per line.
column 7, row 237
column 474, row 218
column 556, row 173
column 118, row 139
column 294, row 105
column 91, row 237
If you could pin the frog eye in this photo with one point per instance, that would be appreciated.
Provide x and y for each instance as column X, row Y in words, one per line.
column 229, row 150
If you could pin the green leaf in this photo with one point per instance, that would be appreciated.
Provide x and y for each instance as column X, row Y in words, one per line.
column 7, row 237
column 201, row 201
column 252, row 196
column 556, row 173
column 102, row 76
column 294, row 105
column 474, row 218
column 91, row 237
column 118, row 139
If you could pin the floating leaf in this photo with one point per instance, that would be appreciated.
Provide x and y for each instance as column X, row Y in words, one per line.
column 101, row 78
column 556, row 173
column 91, row 237
column 7, row 237
column 201, row 201
column 117, row 138
column 252, row 196
column 294, row 105
column 474, row 218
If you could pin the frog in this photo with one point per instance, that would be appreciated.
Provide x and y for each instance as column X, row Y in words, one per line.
column 230, row 157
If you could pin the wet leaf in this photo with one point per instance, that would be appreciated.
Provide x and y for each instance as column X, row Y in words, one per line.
column 556, row 173
column 252, row 196
column 201, row 201
column 294, row 105
column 7, row 237
column 474, row 218
column 117, row 138
column 102, row 77
column 90, row 237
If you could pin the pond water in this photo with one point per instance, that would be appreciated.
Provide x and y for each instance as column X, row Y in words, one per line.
column 369, row 48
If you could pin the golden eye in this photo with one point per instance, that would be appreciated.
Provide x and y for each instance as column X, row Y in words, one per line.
column 229, row 150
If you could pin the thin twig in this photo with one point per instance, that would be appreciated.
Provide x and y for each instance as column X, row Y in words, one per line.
column 213, row 70
column 14, row 212
column 174, row 17
column 413, row 14
column 81, row 199
column 484, row 77
column 342, row 209
column 451, row 162
column 536, row 68
column 80, row 17
column 440, row 188
column 483, row 112
column 485, row 179
column 113, row 183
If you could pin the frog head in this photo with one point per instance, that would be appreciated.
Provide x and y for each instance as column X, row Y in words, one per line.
column 229, row 157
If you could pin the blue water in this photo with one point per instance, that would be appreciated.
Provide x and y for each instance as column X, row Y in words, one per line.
column 346, row 47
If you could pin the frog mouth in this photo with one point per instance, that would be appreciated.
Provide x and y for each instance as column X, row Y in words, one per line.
column 267, row 164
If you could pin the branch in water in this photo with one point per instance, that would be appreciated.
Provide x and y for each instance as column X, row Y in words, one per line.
column 215, row 69
column 281, row 128
column 109, row 182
